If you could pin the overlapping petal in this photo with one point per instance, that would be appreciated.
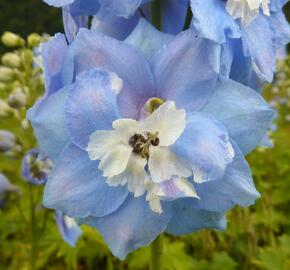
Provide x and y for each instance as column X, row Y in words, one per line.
column 114, row 26
column 186, row 218
column 97, row 92
column 211, row 19
column 183, row 72
column 48, row 120
column 52, row 58
column 205, row 144
column 236, row 187
column 243, row 112
column 148, row 39
column 94, row 50
column 132, row 226
column 77, row 188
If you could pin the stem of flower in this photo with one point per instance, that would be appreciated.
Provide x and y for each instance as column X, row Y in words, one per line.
column 32, row 230
column 156, row 253
column 156, row 8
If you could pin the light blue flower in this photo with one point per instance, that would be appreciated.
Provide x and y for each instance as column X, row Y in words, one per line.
column 144, row 136
column 68, row 228
column 255, row 29
column 36, row 169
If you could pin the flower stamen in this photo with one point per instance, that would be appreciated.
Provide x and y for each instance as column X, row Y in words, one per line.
column 141, row 145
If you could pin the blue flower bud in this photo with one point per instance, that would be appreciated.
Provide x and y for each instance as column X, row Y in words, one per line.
column 36, row 169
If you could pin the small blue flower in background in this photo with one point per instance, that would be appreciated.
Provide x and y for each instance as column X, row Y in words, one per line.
column 5, row 187
column 36, row 169
column 68, row 228
column 113, row 111
column 251, row 32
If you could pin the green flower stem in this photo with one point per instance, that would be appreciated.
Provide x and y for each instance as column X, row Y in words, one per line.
column 156, row 7
column 32, row 230
column 156, row 253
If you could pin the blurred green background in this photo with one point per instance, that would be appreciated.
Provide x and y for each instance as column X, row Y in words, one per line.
column 257, row 238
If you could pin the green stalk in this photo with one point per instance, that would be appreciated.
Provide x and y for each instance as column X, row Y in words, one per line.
column 156, row 253
column 156, row 8
column 32, row 230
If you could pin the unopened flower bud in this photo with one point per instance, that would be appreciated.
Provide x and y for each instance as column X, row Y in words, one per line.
column 7, row 140
column 11, row 40
column 17, row 99
column 33, row 40
column 5, row 110
column 11, row 60
column 6, row 74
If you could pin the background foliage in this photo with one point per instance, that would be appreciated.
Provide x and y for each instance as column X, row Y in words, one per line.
column 257, row 238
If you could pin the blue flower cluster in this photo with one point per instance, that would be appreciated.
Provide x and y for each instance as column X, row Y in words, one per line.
column 148, row 128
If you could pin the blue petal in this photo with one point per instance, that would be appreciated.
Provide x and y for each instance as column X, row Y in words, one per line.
column 84, row 7
column 114, row 26
column 123, row 8
column 183, row 71
column 91, row 105
column 48, row 121
column 280, row 28
column 276, row 5
column 205, row 144
column 211, row 19
column 258, row 44
column 77, row 187
column 69, row 230
column 58, row 3
column 94, row 50
column 148, row 39
column 246, row 117
column 72, row 24
column 236, row 187
column 52, row 57
column 186, row 218
column 242, row 68
column 174, row 14
column 132, row 226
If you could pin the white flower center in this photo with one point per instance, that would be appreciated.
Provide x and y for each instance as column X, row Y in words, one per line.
column 138, row 154
column 247, row 10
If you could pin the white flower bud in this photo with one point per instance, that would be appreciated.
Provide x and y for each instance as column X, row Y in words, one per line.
column 6, row 74
column 11, row 60
column 17, row 99
column 5, row 110
column 33, row 40
column 11, row 40
column 7, row 140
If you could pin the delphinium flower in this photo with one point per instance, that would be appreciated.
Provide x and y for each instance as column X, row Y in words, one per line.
column 144, row 136
column 5, row 187
column 250, row 31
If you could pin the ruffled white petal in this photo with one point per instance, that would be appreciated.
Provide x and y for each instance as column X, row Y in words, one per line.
column 126, row 128
column 134, row 176
column 163, row 164
column 115, row 161
column 168, row 121
column 247, row 10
